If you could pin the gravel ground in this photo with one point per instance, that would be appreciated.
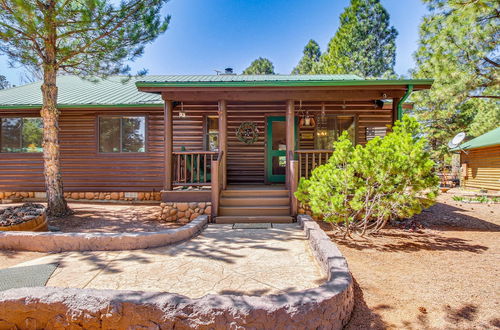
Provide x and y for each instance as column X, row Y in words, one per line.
column 445, row 276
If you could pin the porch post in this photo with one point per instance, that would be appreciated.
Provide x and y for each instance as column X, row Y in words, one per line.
column 290, row 138
column 168, row 135
column 223, row 139
column 395, row 102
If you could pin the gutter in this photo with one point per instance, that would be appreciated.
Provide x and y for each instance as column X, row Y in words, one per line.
column 409, row 90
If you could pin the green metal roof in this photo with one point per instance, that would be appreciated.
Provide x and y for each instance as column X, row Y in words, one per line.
column 275, row 80
column 487, row 139
column 77, row 92
column 116, row 91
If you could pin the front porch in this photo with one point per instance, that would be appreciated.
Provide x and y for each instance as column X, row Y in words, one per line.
column 243, row 145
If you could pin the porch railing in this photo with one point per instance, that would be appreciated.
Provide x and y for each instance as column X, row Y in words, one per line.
column 310, row 159
column 192, row 168
column 217, row 182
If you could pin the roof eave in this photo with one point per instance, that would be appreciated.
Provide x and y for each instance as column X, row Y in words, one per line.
column 422, row 83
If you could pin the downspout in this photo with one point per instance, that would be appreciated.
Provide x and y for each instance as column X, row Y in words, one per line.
column 409, row 90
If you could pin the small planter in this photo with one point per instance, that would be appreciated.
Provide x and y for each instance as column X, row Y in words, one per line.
column 36, row 224
column 28, row 217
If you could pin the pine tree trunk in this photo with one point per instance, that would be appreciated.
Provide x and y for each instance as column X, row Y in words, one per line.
column 57, row 206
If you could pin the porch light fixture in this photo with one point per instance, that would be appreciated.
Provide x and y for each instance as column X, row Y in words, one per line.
column 182, row 114
column 306, row 120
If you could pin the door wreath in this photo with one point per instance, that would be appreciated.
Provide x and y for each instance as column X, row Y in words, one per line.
column 247, row 132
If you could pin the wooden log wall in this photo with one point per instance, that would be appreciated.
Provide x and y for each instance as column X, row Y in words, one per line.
column 84, row 169
column 483, row 168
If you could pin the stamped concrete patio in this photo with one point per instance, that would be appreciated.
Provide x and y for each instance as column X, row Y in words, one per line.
column 221, row 260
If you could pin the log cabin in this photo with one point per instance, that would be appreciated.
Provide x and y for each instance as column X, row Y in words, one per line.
column 239, row 143
column 480, row 161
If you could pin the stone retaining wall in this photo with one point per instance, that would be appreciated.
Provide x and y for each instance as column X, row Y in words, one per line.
column 58, row 242
column 75, row 196
column 328, row 306
column 184, row 212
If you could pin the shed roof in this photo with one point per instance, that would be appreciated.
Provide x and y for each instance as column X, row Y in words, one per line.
column 491, row 138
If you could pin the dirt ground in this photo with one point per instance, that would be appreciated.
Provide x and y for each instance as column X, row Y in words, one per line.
column 110, row 218
column 445, row 276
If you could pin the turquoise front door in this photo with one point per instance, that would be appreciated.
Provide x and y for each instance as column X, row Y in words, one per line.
column 276, row 149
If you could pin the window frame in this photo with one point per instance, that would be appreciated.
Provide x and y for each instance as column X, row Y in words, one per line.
column 121, row 115
column 206, row 133
column 21, row 152
column 354, row 116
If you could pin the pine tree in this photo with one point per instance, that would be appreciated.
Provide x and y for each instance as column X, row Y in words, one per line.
column 260, row 66
column 87, row 38
column 459, row 49
column 4, row 83
column 364, row 44
column 312, row 54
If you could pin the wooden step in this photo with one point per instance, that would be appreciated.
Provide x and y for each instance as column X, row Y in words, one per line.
column 253, row 219
column 255, row 201
column 254, row 210
column 255, row 193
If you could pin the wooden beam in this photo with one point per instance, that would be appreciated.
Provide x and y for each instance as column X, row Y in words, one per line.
column 169, row 146
column 290, row 138
column 223, row 139
column 395, row 102
column 266, row 96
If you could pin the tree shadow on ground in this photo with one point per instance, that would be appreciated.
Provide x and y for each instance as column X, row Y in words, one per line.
column 447, row 217
column 411, row 242
column 362, row 316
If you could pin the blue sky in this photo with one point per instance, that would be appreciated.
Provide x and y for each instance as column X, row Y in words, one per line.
column 208, row 35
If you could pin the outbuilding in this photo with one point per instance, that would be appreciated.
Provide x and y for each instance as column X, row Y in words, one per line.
column 480, row 161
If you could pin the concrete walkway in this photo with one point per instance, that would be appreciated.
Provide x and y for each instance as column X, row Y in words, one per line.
column 221, row 260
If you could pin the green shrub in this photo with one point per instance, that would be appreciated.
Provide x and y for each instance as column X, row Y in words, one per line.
column 361, row 188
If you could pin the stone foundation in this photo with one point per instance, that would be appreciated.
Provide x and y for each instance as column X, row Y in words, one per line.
column 306, row 209
column 75, row 196
column 184, row 212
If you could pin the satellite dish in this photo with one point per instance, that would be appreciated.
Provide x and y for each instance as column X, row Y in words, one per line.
column 455, row 142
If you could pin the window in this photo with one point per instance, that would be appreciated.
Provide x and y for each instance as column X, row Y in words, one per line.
column 122, row 134
column 212, row 133
column 331, row 127
column 21, row 135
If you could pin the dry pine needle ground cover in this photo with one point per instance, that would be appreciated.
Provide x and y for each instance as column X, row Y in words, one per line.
column 445, row 276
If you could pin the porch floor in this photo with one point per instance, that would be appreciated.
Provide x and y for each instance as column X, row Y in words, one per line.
column 221, row 260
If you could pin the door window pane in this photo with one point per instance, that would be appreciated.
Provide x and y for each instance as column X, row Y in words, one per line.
column 212, row 129
column 279, row 165
column 279, row 135
column 21, row 135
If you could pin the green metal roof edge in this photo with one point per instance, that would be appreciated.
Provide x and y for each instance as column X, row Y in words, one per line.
column 280, row 83
column 467, row 145
column 86, row 106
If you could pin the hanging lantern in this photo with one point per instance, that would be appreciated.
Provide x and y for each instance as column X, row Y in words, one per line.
column 306, row 120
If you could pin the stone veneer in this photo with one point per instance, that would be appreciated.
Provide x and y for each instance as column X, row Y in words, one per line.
column 184, row 212
column 59, row 242
column 75, row 196
column 328, row 306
